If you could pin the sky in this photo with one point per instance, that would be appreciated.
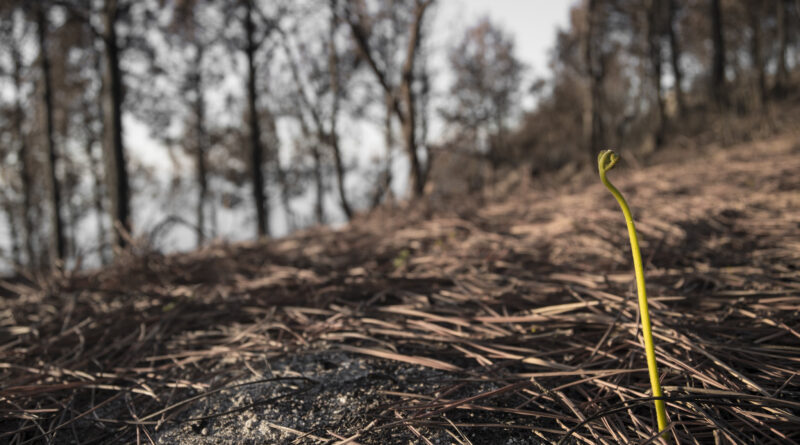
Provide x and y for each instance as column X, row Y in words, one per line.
column 533, row 23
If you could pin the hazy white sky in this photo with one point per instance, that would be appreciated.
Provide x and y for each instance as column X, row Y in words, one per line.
column 533, row 23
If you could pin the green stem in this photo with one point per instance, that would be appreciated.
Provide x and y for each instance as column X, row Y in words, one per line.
column 605, row 162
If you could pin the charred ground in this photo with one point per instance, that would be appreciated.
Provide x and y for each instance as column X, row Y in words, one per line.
column 509, row 322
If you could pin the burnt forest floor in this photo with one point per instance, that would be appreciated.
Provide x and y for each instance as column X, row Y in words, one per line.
column 511, row 321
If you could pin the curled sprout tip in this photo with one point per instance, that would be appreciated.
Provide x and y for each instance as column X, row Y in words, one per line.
column 606, row 160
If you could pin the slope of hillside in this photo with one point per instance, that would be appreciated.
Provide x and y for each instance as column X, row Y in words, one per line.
column 513, row 322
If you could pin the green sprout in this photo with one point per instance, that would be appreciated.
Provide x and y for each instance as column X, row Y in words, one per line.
column 401, row 259
column 606, row 160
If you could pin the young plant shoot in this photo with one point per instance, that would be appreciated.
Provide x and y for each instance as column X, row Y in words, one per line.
column 605, row 162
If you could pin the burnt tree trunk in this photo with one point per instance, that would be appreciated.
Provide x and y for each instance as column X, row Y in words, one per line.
column 754, row 14
column 256, row 151
column 333, row 131
column 408, row 98
column 116, row 168
column 383, row 187
column 404, row 105
column 93, row 137
column 654, row 45
column 782, row 19
column 22, row 156
column 718, row 55
column 201, row 143
column 16, row 251
column 58, row 245
column 389, row 141
column 675, row 54
column 319, row 186
column 596, row 71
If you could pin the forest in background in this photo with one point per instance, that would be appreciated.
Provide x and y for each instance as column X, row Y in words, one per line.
column 220, row 82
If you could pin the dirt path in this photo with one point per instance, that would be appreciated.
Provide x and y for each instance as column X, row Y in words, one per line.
column 514, row 322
